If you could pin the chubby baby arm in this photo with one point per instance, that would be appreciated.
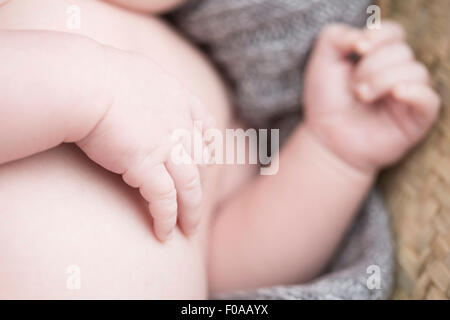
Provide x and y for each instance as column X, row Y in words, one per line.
column 113, row 104
column 52, row 90
column 360, row 117
column 282, row 229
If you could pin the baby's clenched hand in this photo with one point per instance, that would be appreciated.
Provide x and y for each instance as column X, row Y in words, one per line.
column 134, row 139
column 367, row 99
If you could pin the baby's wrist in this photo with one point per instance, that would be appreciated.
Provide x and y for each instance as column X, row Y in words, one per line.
column 342, row 163
column 94, row 87
column 110, row 74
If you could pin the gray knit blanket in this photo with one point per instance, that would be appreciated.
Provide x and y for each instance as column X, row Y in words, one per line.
column 261, row 48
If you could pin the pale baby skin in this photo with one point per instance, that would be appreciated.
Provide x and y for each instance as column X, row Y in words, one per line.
column 87, row 178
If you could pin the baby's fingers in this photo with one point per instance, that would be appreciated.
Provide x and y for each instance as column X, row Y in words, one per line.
column 384, row 58
column 186, row 177
column 380, row 84
column 423, row 101
column 158, row 188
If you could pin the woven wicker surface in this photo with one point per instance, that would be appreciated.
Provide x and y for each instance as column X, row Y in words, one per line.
column 417, row 191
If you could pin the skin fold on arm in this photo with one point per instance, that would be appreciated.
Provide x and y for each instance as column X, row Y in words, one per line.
column 151, row 6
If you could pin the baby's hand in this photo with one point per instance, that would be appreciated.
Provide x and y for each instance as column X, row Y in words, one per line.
column 134, row 139
column 368, row 112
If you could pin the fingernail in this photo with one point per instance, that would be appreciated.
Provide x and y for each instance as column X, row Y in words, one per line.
column 194, row 230
column 363, row 90
column 169, row 236
column 191, row 229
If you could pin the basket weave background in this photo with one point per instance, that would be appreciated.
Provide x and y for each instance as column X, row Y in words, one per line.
column 417, row 191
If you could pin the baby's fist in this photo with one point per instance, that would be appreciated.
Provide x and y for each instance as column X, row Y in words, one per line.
column 367, row 99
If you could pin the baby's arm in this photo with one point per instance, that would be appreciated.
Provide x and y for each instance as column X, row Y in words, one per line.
column 52, row 90
column 360, row 117
column 118, row 107
column 282, row 229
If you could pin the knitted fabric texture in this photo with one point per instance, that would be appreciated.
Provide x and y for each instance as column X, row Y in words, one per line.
column 261, row 48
